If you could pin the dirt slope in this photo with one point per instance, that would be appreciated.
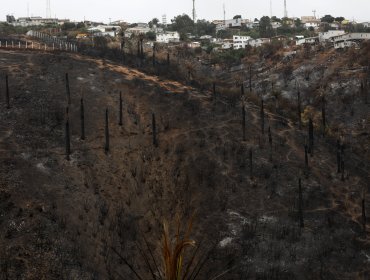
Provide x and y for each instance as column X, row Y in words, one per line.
column 59, row 219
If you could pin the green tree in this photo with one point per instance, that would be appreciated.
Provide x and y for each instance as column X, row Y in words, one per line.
column 328, row 19
column 265, row 27
column 225, row 34
column 339, row 19
column 150, row 35
column 204, row 27
column 275, row 19
column 237, row 16
column 153, row 22
column 68, row 26
column 80, row 25
column 182, row 24
column 298, row 23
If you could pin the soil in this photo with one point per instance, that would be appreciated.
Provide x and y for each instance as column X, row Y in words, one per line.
column 61, row 218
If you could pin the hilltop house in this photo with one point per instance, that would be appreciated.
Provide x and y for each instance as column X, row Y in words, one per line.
column 329, row 35
column 258, row 42
column 308, row 41
column 240, row 42
column 232, row 23
column 168, row 37
column 227, row 44
column 105, row 30
column 349, row 40
column 36, row 21
column 310, row 22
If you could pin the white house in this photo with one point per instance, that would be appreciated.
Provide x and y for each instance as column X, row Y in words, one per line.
column 329, row 35
column 344, row 44
column 258, row 42
column 232, row 23
column 275, row 24
column 206, row 37
column 310, row 41
column 168, row 37
column 37, row 21
column 310, row 21
column 105, row 30
column 366, row 24
column 315, row 24
column 349, row 39
column 193, row 45
column 227, row 44
column 136, row 30
column 240, row 42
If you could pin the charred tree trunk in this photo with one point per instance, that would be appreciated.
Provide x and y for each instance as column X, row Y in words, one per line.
column 168, row 58
column 310, row 137
column 120, row 123
column 262, row 117
column 251, row 163
column 82, row 119
column 270, row 142
column 7, row 95
column 299, row 110
column 67, row 137
column 323, row 114
column 338, row 156
column 300, row 204
column 243, row 122
column 214, row 90
column 363, row 215
column 153, row 56
column 154, row 128
column 306, row 156
column 270, row 136
column 250, row 78
column 142, row 48
column 123, row 49
column 106, row 147
column 68, row 90
column 242, row 89
column 365, row 90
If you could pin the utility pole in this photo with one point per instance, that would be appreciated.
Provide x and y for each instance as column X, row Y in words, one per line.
column 285, row 10
column 224, row 14
column 194, row 14
column 314, row 13
column 48, row 9
column 270, row 8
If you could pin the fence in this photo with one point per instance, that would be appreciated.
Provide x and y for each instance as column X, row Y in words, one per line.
column 53, row 42
column 48, row 43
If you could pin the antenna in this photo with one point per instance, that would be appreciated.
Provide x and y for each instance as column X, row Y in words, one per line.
column 194, row 14
column 270, row 8
column 285, row 10
column 28, row 9
column 224, row 14
column 314, row 13
column 48, row 10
